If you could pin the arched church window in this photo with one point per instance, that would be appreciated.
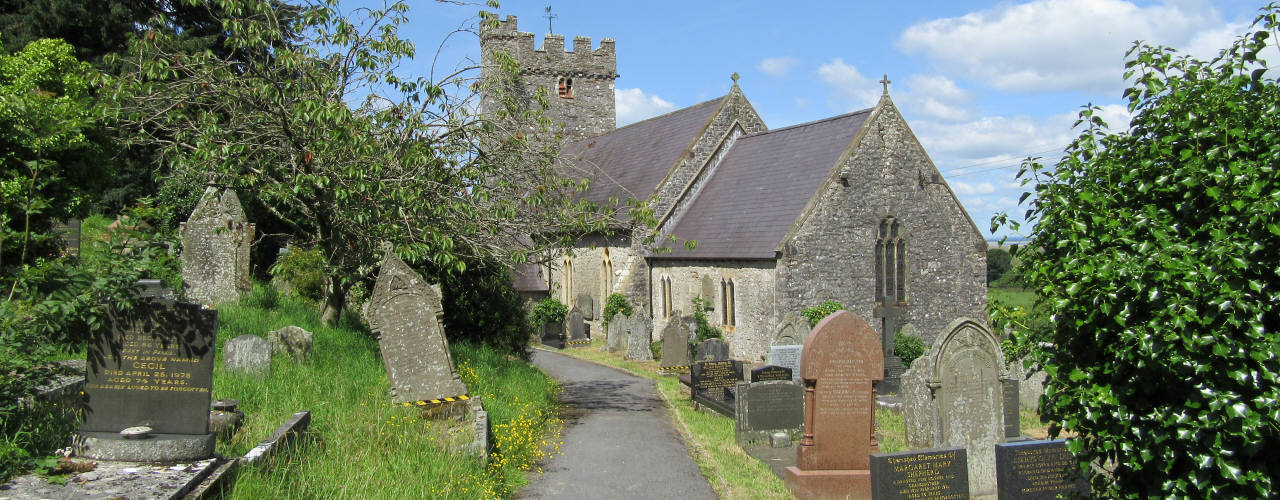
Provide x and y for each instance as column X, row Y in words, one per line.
column 890, row 262
column 566, row 288
column 731, row 312
column 666, row 296
column 606, row 276
column 564, row 87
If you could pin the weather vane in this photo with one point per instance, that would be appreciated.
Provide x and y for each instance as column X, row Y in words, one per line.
column 549, row 17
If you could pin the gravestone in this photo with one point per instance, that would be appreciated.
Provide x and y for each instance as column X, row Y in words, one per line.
column 708, row 290
column 639, row 336
column 787, row 356
column 712, row 350
column 405, row 314
column 710, row 383
column 1009, row 391
column 68, row 233
column 764, row 408
column 842, row 362
column 578, row 336
column 553, row 335
column 292, row 341
column 675, row 346
column 923, row 474
column 793, row 330
column 767, row 373
column 247, row 354
column 215, row 249
column 584, row 303
column 958, row 388
column 152, row 367
column 616, row 333
column 1038, row 470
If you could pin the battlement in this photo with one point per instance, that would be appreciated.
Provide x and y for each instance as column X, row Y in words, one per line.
column 552, row 56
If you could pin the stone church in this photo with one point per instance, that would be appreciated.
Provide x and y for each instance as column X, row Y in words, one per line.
column 848, row 208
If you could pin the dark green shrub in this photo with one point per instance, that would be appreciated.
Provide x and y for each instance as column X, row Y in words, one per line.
column 549, row 310
column 816, row 313
column 907, row 348
column 303, row 269
column 655, row 348
column 999, row 261
column 704, row 331
column 482, row 306
column 616, row 304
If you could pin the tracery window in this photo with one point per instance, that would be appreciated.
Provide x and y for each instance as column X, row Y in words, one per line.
column 890, row 267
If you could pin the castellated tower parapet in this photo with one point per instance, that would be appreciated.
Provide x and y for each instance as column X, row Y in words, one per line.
column 578, row 83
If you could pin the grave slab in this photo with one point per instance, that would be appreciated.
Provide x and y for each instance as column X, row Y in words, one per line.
column 937, row 474
column 1035, row 470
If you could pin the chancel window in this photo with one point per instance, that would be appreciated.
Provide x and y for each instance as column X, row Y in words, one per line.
column 564, row 87
column 891, row 269
column 727, row 305
column 606, row 276
column 666, row 296
column 566, row 284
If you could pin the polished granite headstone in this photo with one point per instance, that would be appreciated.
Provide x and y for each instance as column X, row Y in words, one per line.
column 788, row 356
column 764, row 408
column 1035, row 470
column 938, row 474
column 766, row 373
column 710, row 382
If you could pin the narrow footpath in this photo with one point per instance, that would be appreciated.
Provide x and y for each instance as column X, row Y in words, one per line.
column 618, row 439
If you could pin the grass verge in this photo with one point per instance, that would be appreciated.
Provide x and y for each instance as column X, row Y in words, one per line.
column 730, row 470
column 359, row 444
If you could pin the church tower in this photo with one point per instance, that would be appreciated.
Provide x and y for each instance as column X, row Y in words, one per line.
column 578, row 84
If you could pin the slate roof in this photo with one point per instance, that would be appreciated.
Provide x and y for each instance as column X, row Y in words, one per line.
column 630, row 162
column 761, row 187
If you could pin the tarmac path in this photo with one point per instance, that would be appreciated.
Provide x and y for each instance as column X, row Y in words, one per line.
column 618, row 440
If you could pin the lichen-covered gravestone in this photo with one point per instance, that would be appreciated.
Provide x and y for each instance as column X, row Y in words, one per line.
column 792, row 331
column 955, row 398
column 638, row 338
column 152, row 368
column 616, row 333
column 291, row 340
column 405, row 313
column 842, row 361
column 215, row 249
column 675, row 346
column 247, row 354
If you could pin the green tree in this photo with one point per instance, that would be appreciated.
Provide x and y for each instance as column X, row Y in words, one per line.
column 325, row 135
column 999, row 261
column 1154, row 250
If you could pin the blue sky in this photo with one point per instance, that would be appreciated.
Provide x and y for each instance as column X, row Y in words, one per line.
column 982, row 84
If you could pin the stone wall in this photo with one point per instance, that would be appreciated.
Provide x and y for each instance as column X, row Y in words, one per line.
column 590, row 109
column 754, row 299
column 830, row 255
column 588, row 257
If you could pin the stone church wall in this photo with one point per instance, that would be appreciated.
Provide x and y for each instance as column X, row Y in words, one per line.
column 831, row 254
column 754, row 288
column 588, row 262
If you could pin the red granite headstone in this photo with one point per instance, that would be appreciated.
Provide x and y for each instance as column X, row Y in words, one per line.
column 842, row 359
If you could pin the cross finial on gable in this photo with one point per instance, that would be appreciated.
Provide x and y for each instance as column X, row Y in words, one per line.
column 734, row 77
column 885, row 81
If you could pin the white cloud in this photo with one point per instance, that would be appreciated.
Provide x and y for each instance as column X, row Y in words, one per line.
column 778, row 66
column 849, row 89
column 936, row 96
column 965, row 188
column 1047, row 45
column 633, row 105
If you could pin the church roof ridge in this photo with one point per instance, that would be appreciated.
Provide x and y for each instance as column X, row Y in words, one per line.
column 812, row 123
column 669, row 113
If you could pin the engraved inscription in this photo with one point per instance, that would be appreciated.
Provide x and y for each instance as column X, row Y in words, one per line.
column 1044, row 469
column 930, row 475
column 148, row 365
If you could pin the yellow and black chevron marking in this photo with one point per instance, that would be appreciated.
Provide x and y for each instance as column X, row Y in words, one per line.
column 681, row 368
column 425, row 402
column 578, row 342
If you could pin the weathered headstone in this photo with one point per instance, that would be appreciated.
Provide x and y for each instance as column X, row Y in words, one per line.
column 793, row 330
column 712, row 350
column 639, row 337
column 578, row 335
column 291, row 340
column 584, row 303
column 553, row 335
column 787, row 356
column 962, row 396
column 710, row 381
column 616, row 333
column 247, row 354
column 764, row 408
column 154, row 368
column 1037, row 470
column 922, row 474
column 405, row 313
column 842, row 361
column 1009, row 390
column 675, row 346
column 215, row 249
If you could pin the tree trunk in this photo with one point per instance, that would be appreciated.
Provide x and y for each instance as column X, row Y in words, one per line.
column 335, row 299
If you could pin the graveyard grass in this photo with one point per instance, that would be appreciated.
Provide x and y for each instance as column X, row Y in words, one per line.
column 359, row 444
column 730, row 470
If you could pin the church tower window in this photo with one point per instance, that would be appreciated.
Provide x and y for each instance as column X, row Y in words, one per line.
column 890, row 266
column 564, row 87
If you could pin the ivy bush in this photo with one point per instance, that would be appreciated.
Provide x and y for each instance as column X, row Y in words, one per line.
column 705, row 330
column 907, row 348
column 616, row 304
column 1154, row 249
column 549, row 310
column 303, row 269
column 816, row 313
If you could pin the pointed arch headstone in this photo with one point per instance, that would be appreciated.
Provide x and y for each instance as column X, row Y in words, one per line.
column 215, row 249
